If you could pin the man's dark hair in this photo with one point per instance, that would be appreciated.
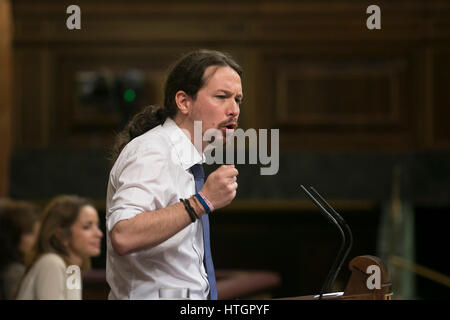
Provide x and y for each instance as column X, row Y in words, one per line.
column 187, row 74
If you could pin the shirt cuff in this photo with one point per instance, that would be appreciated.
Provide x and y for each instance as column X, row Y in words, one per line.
column 119, row 216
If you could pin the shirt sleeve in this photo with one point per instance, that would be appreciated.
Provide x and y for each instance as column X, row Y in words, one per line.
column 143, row 182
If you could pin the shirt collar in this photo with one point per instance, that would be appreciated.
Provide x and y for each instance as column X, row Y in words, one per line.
column 182, row 146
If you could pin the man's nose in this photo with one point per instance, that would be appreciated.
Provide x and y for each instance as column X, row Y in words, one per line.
column 233, row 109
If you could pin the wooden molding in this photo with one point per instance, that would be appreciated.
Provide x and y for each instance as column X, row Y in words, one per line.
column 390, row 81
column 5, row 94
column 237, row 21
column 343, row 74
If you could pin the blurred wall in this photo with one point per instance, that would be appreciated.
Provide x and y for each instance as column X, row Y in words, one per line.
column 6, row 31
column 351, row 104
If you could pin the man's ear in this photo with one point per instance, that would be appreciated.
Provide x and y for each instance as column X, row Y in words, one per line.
column 183, row 101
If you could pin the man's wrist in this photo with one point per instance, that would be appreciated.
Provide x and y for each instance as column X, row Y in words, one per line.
column 205, row 202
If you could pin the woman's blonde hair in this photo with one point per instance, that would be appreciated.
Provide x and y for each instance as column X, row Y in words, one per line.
column 57, row 219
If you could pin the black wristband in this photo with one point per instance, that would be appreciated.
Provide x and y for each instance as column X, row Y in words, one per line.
column 189, row 209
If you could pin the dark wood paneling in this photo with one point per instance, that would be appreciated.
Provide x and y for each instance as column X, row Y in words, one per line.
column 299, row 244
column 312, row 69
column 441, row 102
column 94, row 125
column 5, row 93
column 339, row 93
column 342, row 100
column 30, row 109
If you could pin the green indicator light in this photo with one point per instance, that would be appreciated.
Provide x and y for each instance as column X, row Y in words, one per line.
column 129, row 95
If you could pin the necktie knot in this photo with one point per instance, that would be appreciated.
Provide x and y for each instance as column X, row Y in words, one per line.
column 199, row 176
column 197, row 171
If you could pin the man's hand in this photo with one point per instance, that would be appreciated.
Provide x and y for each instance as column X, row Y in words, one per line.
column 220, row 187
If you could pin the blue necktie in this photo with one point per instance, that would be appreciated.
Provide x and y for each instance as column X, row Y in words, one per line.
column 199, row 177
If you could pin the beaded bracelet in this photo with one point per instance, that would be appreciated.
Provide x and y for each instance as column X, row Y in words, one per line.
column 202, row 202
column 189, row 209
column 211, row 207
column 205, row 203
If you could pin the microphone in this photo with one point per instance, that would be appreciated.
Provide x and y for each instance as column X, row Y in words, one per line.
column 344, row 230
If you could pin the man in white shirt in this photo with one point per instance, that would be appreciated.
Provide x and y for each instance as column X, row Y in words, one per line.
column 154, row 240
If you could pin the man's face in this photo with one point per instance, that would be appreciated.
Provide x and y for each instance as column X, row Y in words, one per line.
column 217, row 102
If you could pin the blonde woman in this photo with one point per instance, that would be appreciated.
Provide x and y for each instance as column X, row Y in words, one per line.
column 69, row 236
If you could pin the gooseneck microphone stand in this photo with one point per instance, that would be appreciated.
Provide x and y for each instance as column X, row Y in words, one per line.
column 344, row 230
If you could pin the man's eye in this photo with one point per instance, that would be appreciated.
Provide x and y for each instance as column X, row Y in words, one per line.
column 238, row 101
column 221, row 97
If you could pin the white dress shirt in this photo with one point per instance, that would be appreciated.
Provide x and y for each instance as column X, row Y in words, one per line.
column 151, row 173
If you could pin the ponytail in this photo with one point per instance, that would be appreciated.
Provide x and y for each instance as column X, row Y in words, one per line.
column 148, row 118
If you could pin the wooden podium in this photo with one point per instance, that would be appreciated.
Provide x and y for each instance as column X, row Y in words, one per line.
column 241, row 284
column 357, row 288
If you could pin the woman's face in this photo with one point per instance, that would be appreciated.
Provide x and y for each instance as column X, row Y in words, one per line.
column 86, row 236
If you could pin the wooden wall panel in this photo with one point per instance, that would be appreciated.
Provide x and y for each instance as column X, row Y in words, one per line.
column 342, row 100
column 5, row 93
column 311, row 69
column 341, row 93
column 29, row 108
column 93, row 126
column 441, row 101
